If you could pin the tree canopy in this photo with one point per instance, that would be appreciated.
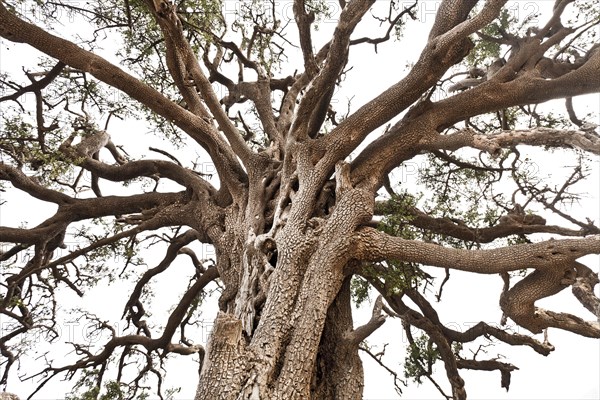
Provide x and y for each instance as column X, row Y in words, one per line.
column 243, row 160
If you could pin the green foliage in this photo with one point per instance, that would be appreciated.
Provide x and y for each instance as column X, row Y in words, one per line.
column 205, row 16
column 398, row 214
column 465, row 195
column 17, row 137
column 27, row 147
column 322, row 10
column 585, row 11
column 258, row 23
column 422, row 354
column 399, row 276
column 170, row 393
column 507, row 24
column 87, row 389
column 457, row 347
column 359, row 289
column 486, row 51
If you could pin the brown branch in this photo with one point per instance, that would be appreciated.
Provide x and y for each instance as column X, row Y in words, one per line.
column 29, row 185
column 136, row 169
column 506, row 139
column 364, row 331
column 377, row 359
column 583, row 288
column 489, row 365
column 411, row 317
column 50, row 230
column 162, row 342
column 27, row 236
column 518, row 302
column 37, row 86
column 479, row 330
column 424, row 122
column 313, row 106
column 513, row 339
column 571, row 112
column 165, row 153
column 511, row 224
column 373, row 245
column 463, row 164
column 392, row 24
column 260, row 93
column 172, row 252
column 442, row 51
column 173, row 30
column 304, row 21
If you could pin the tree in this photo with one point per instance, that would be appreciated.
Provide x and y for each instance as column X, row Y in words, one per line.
column 300, row 224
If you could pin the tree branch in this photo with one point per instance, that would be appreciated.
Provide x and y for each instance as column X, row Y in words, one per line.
column 36, row 86
column 162, row 342
column 512, row 224
column 30, row 186
column 373, row 245
column 424, row 121
column 493, row 142
column 313, row 106
column 489, row 365
column 364, row 331
column 440, row 53
column 173, row 30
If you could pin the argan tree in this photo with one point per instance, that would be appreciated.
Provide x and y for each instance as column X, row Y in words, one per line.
column 303, row 210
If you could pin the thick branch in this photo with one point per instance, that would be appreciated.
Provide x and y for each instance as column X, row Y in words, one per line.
column 506, row 139
column 304, row 21
column 373, row 245
column 412, row 317
column 583, row 288
column 81, row 209
column 518, row 302
column 477, row 331
column 518, row 88
column 181, row 50
column 364, row 331
column 440, row 53
column 424, row 122
column 313, row 107
column 30, row 186
column 490, row 365
column 135, row 169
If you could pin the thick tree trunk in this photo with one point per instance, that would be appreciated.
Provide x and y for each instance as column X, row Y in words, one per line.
column 286, row 335
column 338, row 370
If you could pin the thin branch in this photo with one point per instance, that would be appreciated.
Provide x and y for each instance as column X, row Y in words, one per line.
column 37, row 86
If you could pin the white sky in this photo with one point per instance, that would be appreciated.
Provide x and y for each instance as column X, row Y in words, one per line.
column 570, row 372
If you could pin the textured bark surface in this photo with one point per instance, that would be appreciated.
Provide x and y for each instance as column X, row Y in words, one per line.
column 295, row 215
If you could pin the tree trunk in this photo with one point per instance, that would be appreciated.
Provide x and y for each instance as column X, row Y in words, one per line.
column 338, row 370
column 288, row 338
column 233, row 366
